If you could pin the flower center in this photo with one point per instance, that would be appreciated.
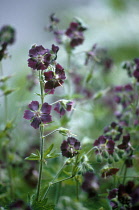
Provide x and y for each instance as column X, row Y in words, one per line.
column 40, row 58
column 37, row 114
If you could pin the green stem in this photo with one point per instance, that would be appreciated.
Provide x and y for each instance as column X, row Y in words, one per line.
column 1, row 70
column 41, row 162
column 68, row 60
column 50, row 133
column 41, row 86
column 124, row 174
column 58, row 191
column 52, row 182
column 6, row 107
column 41, row 139
column 9, row 168
column 77, row 189
column 89, row 150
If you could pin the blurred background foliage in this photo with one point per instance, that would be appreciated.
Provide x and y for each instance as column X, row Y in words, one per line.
column 112, row 24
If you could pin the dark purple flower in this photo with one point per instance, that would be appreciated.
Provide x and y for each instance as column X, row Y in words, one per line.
column 55, row 48
column 19, row 204
column 90, row 184
column 136, row 74
column 54, row 79
column 91, row 54
column 62, row 106
column 128, row 87
column 109, row 172
column 39, row 58
column 107, row 63
column 54, row 19
column 113, row 193
column 125, row 143
column 128, row 66
column 118, row 88
column 126, row 195
column 70, row 147
column 38, row 115
column 74, row 32
column 103, row 144
column 7, row 35
column 136, row 60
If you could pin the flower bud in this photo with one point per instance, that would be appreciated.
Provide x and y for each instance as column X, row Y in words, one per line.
column 120, row 153
column 105, row 154
column 116, row 157
column 110, row 159
column 99, row 158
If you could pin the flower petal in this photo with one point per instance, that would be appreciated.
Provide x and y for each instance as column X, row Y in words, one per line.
column 34, row 105
column 28, row 115
column 46, row 118
column 36, row 123
column 46, row 108
column 49, row 75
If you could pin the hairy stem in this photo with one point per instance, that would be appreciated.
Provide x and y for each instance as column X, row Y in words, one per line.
column 41, row 139
column 52, row 182
column 41, row 162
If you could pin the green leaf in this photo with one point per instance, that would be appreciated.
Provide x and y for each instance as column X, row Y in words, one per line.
column 33, row 156
column 5, row 78
column 100, row 93
column 89, row 77
column 38, row 205
column 9, row 91
column 37, row 94
column 47, row 151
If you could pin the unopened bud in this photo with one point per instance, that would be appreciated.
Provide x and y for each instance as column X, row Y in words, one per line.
column 105, row 154
column 99, row 158
column 110, row 159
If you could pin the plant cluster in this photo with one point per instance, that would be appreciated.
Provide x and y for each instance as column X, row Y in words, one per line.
column 69, row 171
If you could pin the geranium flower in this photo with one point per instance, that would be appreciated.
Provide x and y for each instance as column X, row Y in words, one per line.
column 62, row 106
column 54, row 79
column 103, row 144
column 90, row 184
column 41, row 58
column 127, row 195
column 75, row 33
column 38, row 115
column 70, row 147
column 7, row 35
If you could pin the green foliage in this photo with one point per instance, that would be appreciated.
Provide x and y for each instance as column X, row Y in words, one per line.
column 37, row 205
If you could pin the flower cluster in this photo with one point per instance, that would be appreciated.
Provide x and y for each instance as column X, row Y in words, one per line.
column 7, row 37
column 62, row 106
column 132, row 68
column 70, row 147
column 102, row 144
column 37, row 114
column 99, row 56
column 41, row 58
column 113, row 131
column 45, row 60
column 75, row 33
column 54, row 79
column 124, row 95
column 53, row 27
column 125, row 196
